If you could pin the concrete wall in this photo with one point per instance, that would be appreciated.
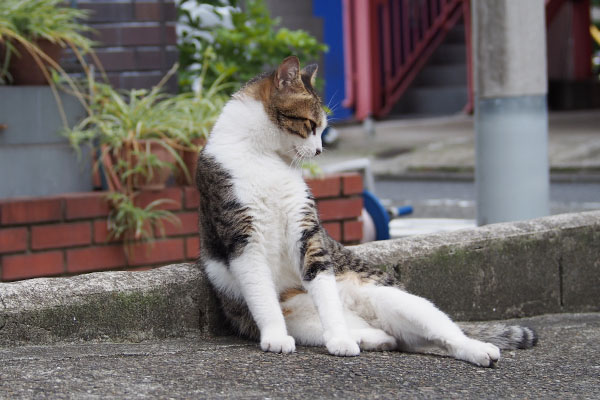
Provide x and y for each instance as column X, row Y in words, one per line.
column 546, row 265
column 35, row 160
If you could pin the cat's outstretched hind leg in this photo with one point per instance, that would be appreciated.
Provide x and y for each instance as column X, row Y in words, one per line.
column 303, row 324
column 372, row 339
column 416, row 323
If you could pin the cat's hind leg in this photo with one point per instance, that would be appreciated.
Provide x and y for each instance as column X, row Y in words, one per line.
column 301, row 318
column 304, row 325
column 416, row 323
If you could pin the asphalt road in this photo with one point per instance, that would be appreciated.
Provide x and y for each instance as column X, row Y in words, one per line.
column 456, row 199
column 565, row 364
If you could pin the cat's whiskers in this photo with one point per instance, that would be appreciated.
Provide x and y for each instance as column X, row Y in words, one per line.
column 295, row 160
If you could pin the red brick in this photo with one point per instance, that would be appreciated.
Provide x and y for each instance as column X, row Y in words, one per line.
column 189, row 225
column 161, row 251
column 108, row 36
column 334, row 230
column 61, row 235
column 327, row 187
column 118, row 60
column 170, row 33
column 13, row 239
column 172, row 197
column 147, row 59
column 101, row 235
column 353, row 231
column 147, row 11
column 169, row 11
column 103, row 11
column 142, row 35
column 24, row 266
column 352, row 184
column 192, row 248
column 339, row 208
column 192, row 198
column 141, row 79
column 86, row 205
column 95, row 258
column 27, row 211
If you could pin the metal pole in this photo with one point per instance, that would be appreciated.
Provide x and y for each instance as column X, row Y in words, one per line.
column 511, row 117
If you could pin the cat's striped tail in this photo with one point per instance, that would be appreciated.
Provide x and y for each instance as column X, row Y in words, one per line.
column 506, row 337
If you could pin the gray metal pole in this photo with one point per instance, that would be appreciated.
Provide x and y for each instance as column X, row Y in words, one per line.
column 511, row 117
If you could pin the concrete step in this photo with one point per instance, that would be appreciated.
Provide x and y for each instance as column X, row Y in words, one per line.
column 442, row 75
column 456, row 34
column 449, row 53
column 432, row 101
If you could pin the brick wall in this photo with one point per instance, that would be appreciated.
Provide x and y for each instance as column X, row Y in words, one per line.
column 137, row 40
column 67, row 234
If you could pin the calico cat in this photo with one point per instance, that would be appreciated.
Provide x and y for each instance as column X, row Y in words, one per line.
column 280, row 278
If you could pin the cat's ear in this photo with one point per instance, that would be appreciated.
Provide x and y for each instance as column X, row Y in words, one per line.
column 287, row 72
column 310, row 71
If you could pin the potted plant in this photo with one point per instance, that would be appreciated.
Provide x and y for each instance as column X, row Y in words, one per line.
column 141, row 137
column 200, row 109
column 32, row 36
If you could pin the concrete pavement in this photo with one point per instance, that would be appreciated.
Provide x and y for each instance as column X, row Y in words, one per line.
column 564, row 364
column 444, row 147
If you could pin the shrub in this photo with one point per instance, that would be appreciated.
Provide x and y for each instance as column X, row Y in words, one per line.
column 240, row 43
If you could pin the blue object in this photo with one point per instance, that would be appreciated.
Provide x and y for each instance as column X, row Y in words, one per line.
column 333, row 36
column 405, row 210
column 378, row 214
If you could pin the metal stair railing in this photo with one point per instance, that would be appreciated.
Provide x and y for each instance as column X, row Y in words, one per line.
column 387, row 42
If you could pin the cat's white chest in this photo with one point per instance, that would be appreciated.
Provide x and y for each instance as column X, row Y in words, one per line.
column 249, row 147
column 277, row 198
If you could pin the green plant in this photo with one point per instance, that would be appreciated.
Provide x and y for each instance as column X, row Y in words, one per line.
column 126, row 128
column 132, row 223
column 23, row 23
column 244, row 43
column 312, row 169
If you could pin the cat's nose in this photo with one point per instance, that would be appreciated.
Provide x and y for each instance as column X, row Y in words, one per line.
column 319, row 151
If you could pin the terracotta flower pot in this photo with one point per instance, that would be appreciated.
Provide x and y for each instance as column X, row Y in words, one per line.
column 160, row 176
column 23, row 67
column 190, row 159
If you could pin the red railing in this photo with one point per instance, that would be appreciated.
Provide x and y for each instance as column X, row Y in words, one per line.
column 387, row 42
column 552, row 9
column 579, row 16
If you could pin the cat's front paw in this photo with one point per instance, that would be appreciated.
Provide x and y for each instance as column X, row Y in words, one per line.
column 342, row 346
column 278, row 344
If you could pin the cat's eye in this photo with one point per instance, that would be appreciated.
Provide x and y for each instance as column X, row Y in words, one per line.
column 313, row 126
column 293, row 117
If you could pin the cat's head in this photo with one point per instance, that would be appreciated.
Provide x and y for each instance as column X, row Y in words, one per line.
column 293, row 106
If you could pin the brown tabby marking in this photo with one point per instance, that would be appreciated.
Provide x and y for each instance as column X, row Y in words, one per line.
column 288, row 294
column 289, row 97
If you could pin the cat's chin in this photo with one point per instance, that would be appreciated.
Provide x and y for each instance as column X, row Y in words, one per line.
column 289, row 157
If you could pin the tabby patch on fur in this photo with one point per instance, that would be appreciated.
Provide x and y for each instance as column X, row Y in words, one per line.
column 280, row 278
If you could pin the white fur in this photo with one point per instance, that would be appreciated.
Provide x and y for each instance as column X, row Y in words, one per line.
column 264, row 163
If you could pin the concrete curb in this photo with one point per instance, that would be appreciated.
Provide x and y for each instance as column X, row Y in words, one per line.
column 507, row 270
column 518, row 269
column 133, row 306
